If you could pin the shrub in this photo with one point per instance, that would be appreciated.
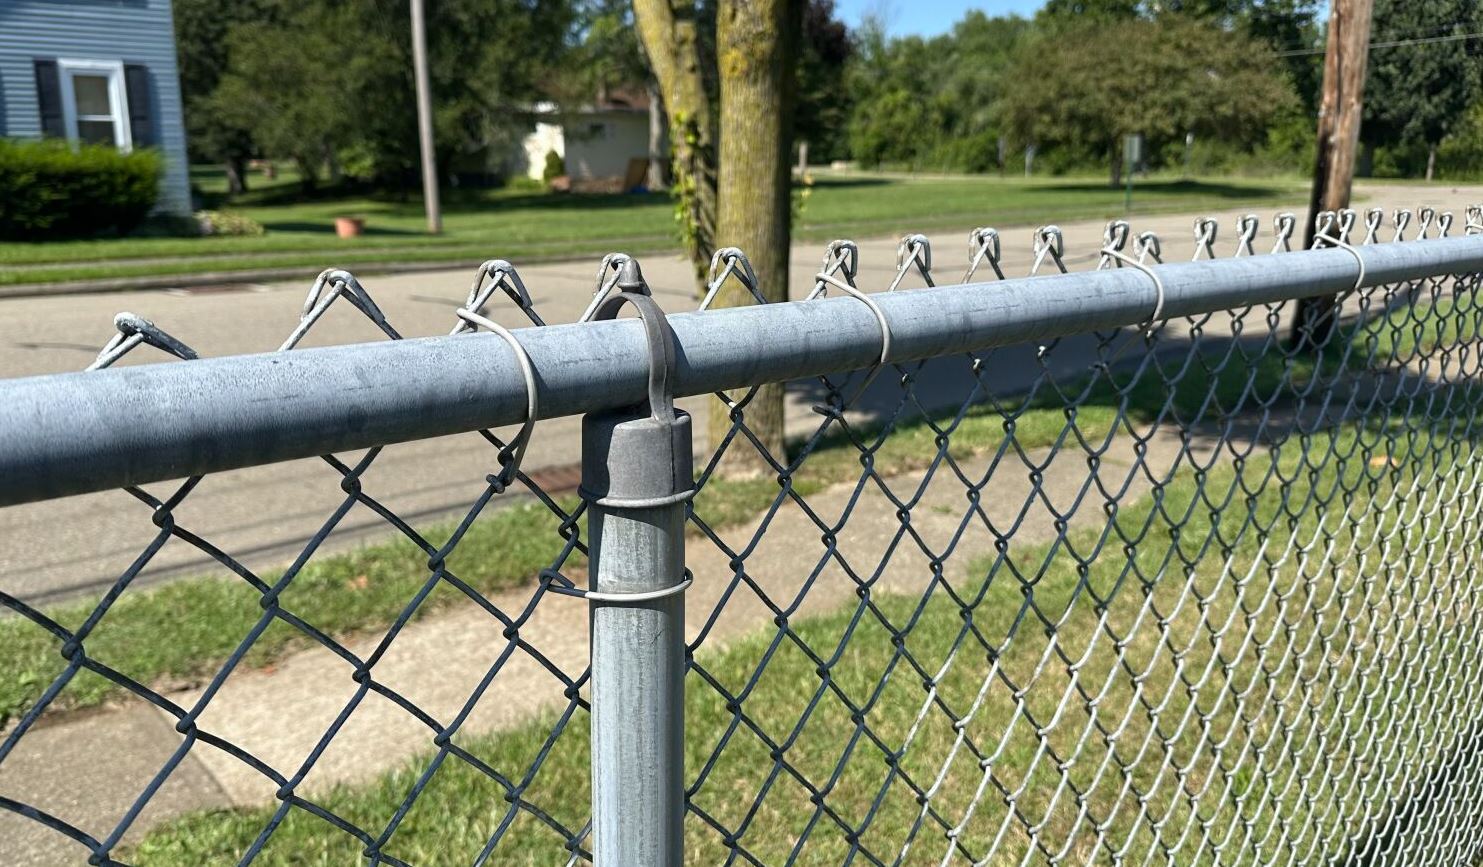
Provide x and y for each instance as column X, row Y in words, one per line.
column 555, row 167
column 50, row 189
column 227, row 223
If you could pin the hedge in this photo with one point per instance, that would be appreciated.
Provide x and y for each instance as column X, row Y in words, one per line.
column 52, row 189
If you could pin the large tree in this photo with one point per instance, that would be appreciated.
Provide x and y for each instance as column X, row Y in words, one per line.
column 1415, row 94
column 329, row 82
column 1288, row 27
column 201, row 29
column 932, row 103
column 731, row 113
column 1095, row 83
column 824, row 100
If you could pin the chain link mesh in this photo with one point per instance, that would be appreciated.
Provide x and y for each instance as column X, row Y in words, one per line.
column 1186, row 593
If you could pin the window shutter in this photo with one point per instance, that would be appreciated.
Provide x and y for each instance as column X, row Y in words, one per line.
column 49, row 99
column 141, row 119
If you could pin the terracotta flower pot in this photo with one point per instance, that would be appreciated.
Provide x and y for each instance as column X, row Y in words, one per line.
column 349, row 227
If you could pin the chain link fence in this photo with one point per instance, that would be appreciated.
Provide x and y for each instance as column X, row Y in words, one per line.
column 1183, row 588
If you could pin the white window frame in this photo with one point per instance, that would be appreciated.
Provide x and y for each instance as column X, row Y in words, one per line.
column 118, row 98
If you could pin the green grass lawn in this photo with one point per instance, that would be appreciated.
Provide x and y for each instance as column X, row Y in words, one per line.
column 515, row 224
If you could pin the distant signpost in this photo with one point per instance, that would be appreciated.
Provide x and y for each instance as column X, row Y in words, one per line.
column 1132, row 156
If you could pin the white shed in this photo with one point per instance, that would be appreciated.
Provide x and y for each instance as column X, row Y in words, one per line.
column 596, row 142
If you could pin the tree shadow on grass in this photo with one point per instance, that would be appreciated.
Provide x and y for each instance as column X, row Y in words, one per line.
column 1190, row 188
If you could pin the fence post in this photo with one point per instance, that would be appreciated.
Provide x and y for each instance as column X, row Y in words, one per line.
column 637, row 476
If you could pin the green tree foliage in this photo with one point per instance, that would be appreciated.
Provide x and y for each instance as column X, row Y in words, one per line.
column 931, row 103
column 1084, row 88
column 328, row 83
column 201, row 29
column 823, row 99
column 1288, row 27
column 605, row 57
column 1061, row 11
column 1416, row 94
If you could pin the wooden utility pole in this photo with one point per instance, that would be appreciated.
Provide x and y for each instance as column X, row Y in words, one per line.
column 1346, row 56
column 425, row 121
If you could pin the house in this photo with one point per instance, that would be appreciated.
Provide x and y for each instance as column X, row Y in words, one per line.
column 96, row 71
column 600, row 143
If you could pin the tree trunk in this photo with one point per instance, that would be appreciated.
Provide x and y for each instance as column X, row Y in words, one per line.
column 1431, row 162
column 756, row 45
column 236, row 170
column 1339, row 114
column 670, row 32
column 308, row 172
column 658, row 179
column 332, row 165
column 1117, row 166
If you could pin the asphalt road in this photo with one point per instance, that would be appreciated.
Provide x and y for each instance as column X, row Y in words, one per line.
column 264, row 515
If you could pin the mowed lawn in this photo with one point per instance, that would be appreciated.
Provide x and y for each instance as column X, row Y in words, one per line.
column 515, row 224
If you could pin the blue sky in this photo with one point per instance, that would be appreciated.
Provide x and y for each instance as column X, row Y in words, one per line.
column 928, row 17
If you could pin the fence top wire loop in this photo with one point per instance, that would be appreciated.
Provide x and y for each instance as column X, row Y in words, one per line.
column 1283, row 226
column 1048, row 241
column 730, row 262
column 983, row 246
column 1148, row 247
column 913, row 250
column 1246, row 228
column 501, row 275
column 1374, row 220
column 132, row 330
column 1114, row 237
column 1474, row 219
column 608, row 274
column 512, row 454
column 841, row 257
column 1402, row 218
column 1348, row 218
column 1425, row 216
column 335, row 283
column 1205, row 232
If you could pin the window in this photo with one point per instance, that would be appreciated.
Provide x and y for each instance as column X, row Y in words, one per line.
column 95, row 104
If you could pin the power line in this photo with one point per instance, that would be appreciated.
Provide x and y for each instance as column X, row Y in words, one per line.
column 1397, row 43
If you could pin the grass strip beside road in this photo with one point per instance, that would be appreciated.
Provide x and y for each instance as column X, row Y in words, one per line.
column 512, row 225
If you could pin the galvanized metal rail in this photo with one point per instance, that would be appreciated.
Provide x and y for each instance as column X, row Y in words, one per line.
column 79, row 432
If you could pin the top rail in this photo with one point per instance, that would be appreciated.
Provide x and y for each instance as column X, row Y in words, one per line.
column 73, row 433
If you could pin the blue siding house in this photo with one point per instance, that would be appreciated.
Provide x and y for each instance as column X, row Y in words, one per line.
column 96, row 71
